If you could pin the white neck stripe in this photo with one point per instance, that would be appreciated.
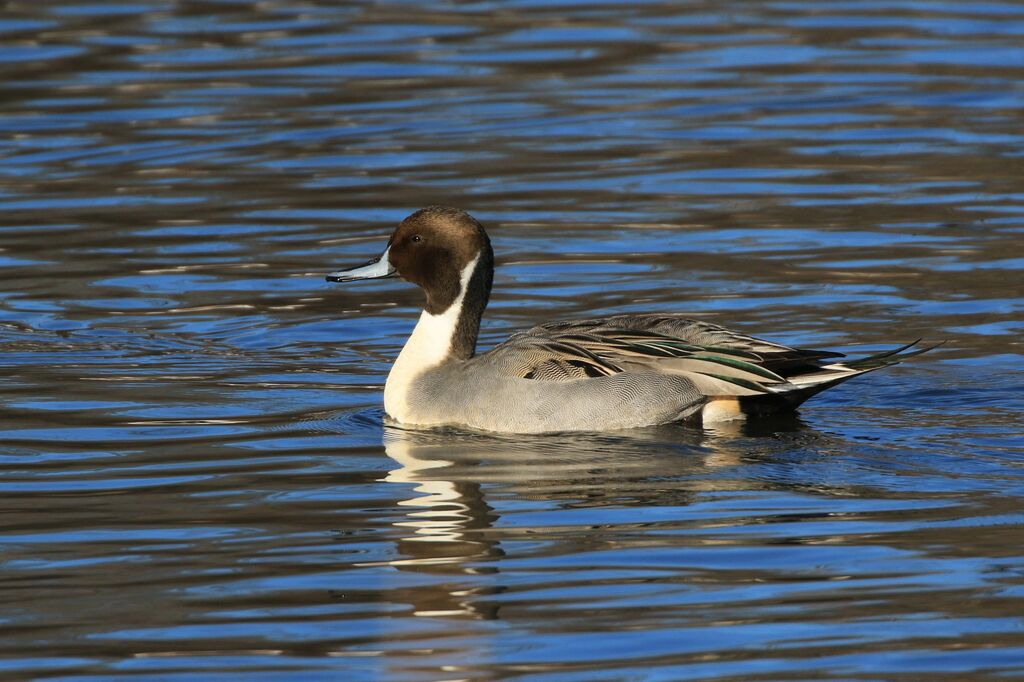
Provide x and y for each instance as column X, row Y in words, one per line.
column 429, row 345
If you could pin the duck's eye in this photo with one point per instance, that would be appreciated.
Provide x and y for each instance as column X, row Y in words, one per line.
column 417, row 238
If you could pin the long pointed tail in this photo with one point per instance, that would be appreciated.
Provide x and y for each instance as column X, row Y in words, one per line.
column 802, row 386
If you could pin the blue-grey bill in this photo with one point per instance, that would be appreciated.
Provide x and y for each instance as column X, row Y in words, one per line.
column 375, row 269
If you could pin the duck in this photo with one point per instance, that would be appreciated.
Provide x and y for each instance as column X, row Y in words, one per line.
column 607, row 373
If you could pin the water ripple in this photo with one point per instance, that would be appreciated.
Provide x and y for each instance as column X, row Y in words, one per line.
column 198, row 477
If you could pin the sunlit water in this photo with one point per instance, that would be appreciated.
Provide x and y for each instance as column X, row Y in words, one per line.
column 196, row 477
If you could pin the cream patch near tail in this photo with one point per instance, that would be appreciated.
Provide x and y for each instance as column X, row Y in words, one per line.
column 721, row 410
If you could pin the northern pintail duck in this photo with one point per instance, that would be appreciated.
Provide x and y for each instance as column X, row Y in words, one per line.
column 614, row 372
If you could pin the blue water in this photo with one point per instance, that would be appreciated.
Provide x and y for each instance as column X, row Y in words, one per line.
column 198, row 481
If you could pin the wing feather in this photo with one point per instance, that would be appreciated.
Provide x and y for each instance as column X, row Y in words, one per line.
column 717, row 359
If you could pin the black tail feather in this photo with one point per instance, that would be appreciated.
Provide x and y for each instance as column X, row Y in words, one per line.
column 778, row 401
column 770, row 403
column 889, row 357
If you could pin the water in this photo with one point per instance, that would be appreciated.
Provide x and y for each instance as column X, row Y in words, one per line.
column 196, row 479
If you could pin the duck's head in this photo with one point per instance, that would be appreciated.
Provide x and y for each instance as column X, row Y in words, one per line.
column 443, row 250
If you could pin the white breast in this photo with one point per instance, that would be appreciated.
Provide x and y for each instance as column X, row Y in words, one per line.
column 429, row 346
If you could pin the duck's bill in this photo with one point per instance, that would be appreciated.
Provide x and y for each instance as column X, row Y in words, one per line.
column 376, row 269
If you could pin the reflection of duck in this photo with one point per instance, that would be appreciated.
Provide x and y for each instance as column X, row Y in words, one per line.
column 622, row 371
column 461, row 482
column 452, row 470
column 444, row 512
column 445, row 529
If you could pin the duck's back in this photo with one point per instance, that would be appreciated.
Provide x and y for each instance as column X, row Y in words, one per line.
column 660, row 343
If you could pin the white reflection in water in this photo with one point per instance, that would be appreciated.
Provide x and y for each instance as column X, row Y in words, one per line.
column 439, row 514
column 452, row 472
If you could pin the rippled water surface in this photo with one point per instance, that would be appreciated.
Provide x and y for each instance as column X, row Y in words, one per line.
column 196, row 478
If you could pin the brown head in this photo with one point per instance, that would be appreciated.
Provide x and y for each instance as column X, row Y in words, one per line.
column 434, row 249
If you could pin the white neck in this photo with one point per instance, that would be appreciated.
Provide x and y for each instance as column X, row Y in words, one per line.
column 429, row 346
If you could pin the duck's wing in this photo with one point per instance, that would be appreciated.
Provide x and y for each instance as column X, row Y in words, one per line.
column 698, row 334
column 722, row 365
column 718, row 362
column 660, row 336
column 674, row 344
column 544, row 357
